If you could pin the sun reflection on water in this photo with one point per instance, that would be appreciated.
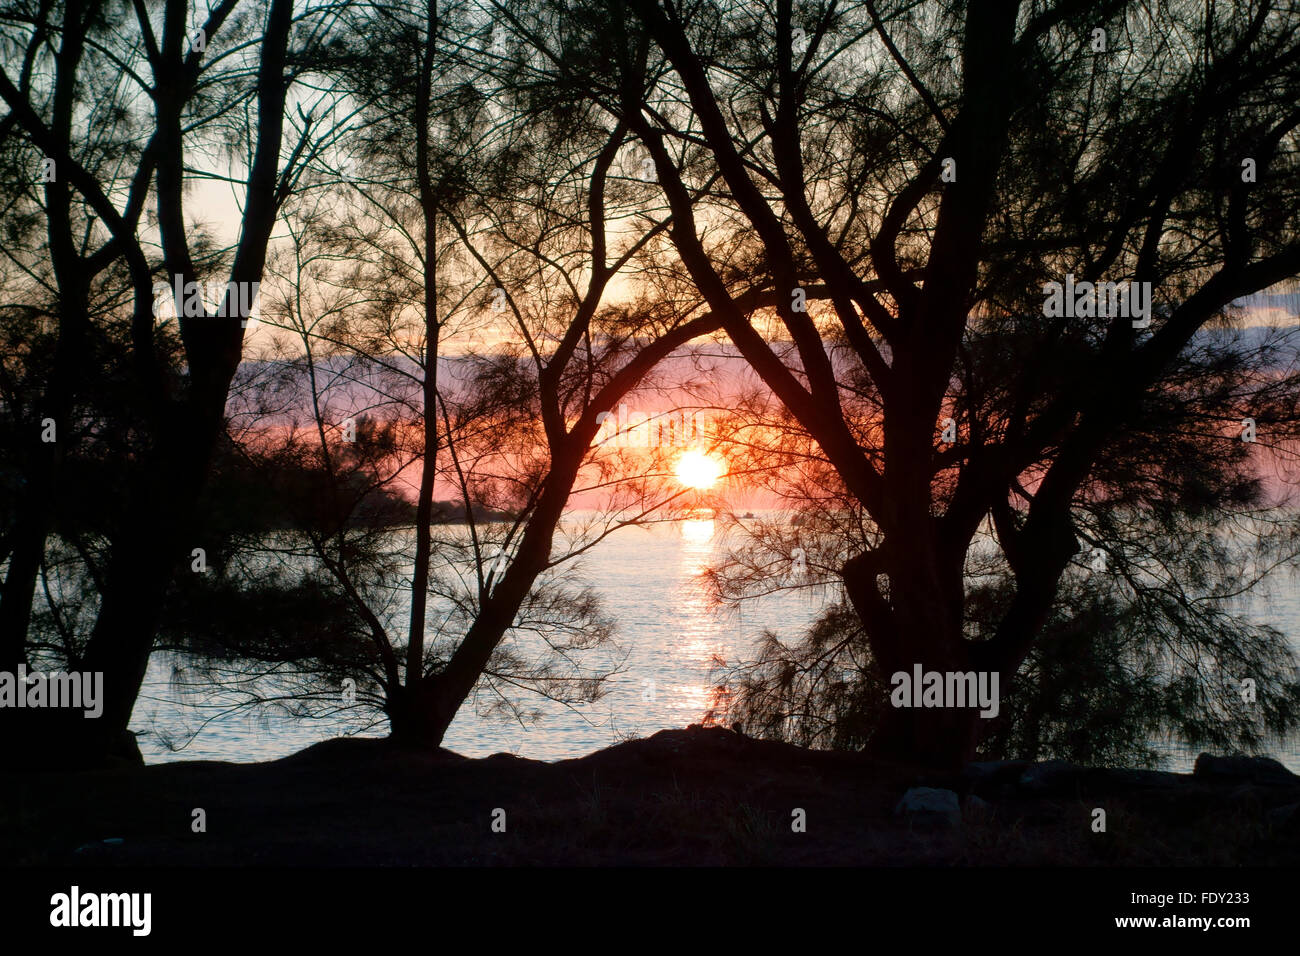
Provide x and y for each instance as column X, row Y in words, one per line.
column 697, row 531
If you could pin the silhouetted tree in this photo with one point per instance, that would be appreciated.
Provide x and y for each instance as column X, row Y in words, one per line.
column 469, row 286
column 170, row 83
column 963, row 155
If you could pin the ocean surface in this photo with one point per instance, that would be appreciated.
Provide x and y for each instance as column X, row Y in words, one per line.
column 669, row 643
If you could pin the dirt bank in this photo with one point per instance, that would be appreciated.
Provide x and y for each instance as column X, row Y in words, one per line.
column 693, row 796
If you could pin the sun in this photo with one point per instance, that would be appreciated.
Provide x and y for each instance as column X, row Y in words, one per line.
column 695, row 469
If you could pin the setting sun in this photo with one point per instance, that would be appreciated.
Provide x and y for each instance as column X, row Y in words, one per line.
column 695, row 469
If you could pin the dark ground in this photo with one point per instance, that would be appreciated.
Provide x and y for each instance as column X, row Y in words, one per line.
column 681, row 797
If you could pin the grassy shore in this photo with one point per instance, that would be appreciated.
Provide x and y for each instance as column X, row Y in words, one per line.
column 681, row 797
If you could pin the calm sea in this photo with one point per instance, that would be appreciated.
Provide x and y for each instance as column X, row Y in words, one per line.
column 669, row 641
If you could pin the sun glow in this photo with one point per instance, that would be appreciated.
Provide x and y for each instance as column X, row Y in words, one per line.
column 695, row 469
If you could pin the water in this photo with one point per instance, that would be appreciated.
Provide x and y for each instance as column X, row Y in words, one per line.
column 672, row 639
column 669, row 641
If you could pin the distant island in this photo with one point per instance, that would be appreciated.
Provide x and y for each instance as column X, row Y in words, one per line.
column 455, row 512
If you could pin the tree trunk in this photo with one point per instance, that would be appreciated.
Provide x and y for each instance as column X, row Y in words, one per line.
column 37, row 512
column 918, row 623
column 429, row 464
column 944, row 738
column 156, row 539
column 420, row 714
column 441, row 696
column 39, row 498
column 415, row 718
column 19, row 587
